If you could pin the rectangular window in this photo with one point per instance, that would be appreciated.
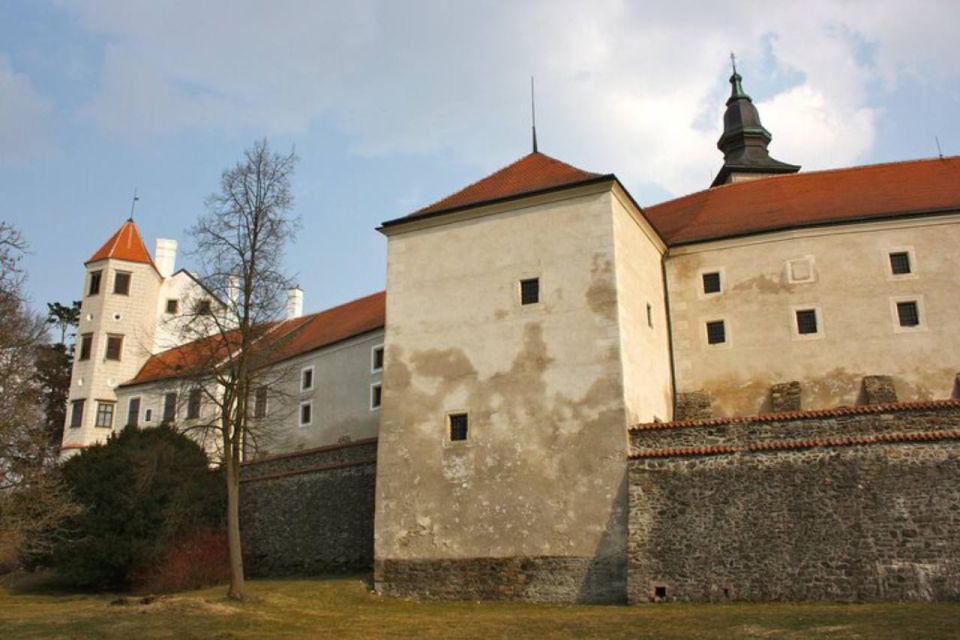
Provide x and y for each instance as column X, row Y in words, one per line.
column 306, row 379
column 530, row 291
column 908, row 313
column 376, row 358
column 649, row 315
column 194, row 402
column 376, row 393
column 133, row 412
column 458, row 426
column 76, row 413
column 114, row 347
column 711, row 282
column 173, row 305
column 806, row 321
column 716, row 332
column 169, row 407
column 148, row 415
column 306, row 413
column 900, row 263
column 104, row 414
column 95, row 277
column 260, row 403
column 86, row 346
column 203, row 308
column 121, row 283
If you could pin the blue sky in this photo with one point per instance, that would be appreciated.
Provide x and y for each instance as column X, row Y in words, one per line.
column 392, row 105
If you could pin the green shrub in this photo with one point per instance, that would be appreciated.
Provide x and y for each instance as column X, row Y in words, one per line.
column 140, row 491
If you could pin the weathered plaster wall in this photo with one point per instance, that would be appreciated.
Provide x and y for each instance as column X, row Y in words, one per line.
column 310, row 512
column 644, row 343
column 854, row 291
column 541, row 475
column 836, row 507
column 103, row 314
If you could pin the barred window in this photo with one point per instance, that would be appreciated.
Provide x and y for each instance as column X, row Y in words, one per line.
column 900, row 263
column 908, row 313
column 711, row 282
column 716, row 332
column 530, row 291
column 806, row 321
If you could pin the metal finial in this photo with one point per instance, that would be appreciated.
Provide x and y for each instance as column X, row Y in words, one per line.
column 533, row 114
column 939, row 150
column 733, row 62
column 133, row 204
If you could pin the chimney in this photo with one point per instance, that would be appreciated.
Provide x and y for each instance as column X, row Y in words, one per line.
column 233, row 291
column 294, row 302
column 165, row 256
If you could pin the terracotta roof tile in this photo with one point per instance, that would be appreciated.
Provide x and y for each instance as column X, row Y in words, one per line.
column 280, row 341
column 811, row 198
column 125, row 244
column 531, row 173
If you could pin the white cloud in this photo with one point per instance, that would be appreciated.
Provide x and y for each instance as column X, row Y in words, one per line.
column 622, row 87
column 25, row 119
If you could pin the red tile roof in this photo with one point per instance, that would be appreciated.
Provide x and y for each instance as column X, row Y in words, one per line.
column 281, row 341
column 530, row 174
column 125, row 244
column 812, row 198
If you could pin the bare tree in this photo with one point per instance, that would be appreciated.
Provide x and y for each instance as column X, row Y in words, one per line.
column 239, row 244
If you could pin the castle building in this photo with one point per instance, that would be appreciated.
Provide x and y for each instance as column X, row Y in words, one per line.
column 554, row 368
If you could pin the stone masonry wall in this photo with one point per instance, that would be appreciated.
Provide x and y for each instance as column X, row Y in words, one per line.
column 310, row 512
column 853, row 504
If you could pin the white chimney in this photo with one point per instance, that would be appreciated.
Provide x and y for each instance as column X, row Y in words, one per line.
column 294, row 303
column 165, row 256
column 233, row 291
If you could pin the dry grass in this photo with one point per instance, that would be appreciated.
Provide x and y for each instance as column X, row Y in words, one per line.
column 344, row 609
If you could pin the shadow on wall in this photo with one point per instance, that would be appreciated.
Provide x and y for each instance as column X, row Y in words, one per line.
column 606, row 577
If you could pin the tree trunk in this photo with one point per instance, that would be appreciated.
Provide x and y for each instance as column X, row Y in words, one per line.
column 237, row 585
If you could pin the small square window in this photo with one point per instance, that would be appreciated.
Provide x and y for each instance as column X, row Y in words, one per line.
column 203, row 308
column 169, row 407
column 458, row 426
column 114, row 347
column 194, row 402
column 806, row 321
column 908, row 313
column 173, row 305
column 711, row 282
column 716, row 332
column 104, row 414
column 121, row 283
column 376, row 394
column 95, row 277
column 306, row 379
column 377, row 358
column 260, row 403
column 530, row 291
column 306, row 413
column 86, row 346
column 76, row 413
column 133, row 412
column 900, row 263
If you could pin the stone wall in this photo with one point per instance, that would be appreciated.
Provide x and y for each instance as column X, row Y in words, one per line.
column 309, row 512
column 853, row 504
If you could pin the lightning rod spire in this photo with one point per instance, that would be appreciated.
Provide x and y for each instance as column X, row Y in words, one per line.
column 533, row 114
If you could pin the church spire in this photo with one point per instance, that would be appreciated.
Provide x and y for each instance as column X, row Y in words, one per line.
column 744, row 140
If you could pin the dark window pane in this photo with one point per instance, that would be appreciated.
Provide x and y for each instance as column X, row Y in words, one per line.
column 306, row 380
column 76, row 413
column 908, row 314
column 193, row 403
column 378, row 358
column 203, row 308
column 375, row 395
column 458, row 426
column 133, row 412
column 104, row 414
column 530, row 291
column 649, row 315
column 716, row 332
column 169, row 407
column 900, row 262
column 148, row 415
column 807, row 321
column 711, row 282
column 94, row 283
column 86, row 346
column 173, row 306
column 260, row 403
column 306, row 411
column 121, row 283
column 114, row 347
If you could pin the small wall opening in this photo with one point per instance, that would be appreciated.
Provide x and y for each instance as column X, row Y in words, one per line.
column 660, row 592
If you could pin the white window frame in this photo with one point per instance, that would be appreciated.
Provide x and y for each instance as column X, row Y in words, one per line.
column 373, row 386
column 313, row 378
column 300, row 421
column 921, row 312
column 373, row 358
column 888, row 268
column 726, row 333
column 795, row 330
column 809, row 259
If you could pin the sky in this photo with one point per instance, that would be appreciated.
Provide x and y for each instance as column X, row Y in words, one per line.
column 392, row 105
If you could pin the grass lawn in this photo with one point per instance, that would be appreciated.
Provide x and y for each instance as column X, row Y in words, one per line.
column 344, row 609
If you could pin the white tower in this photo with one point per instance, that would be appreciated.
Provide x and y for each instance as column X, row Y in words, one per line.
column 117, row 323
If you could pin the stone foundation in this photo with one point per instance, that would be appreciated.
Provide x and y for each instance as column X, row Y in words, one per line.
column 311, row 512
column 854, row 504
